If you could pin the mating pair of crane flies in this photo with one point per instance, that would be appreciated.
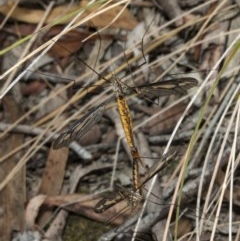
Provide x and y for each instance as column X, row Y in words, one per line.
column 80, row 127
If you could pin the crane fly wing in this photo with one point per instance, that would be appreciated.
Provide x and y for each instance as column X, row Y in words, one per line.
column 80, row 127
column 132, row 197
column 165, row 88
column 109, row 201
column 166, row 159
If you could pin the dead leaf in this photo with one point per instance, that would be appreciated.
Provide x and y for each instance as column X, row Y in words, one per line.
column 12, row 198
column 185, row 226
column 32, row 211
column 34, row 88
column 53, row 177
column 125, row 20
column 166, row 122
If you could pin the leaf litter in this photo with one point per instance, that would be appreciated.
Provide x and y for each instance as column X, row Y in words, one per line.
column 176, row 51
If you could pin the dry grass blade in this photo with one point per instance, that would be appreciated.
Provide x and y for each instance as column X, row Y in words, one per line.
column 191, row 40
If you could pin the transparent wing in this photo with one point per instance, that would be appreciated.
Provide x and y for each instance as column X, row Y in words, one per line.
column 166, row 159
column 112, row 199
column 80, row 127
column 107, row 202
column 164, row 88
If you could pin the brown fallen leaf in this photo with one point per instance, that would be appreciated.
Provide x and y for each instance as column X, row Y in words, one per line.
column 68, row 45
column 72, row 41
column 32, row 211
column 125, row 20
column 185, row 226
column 13, row 196
column 166, row 122
column 34, row 88
column 236, row 189
column 53, row 177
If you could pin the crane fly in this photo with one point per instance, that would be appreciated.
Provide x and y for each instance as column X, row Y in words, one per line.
column 126, row 120
column 162, row 88
column 133, row 197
